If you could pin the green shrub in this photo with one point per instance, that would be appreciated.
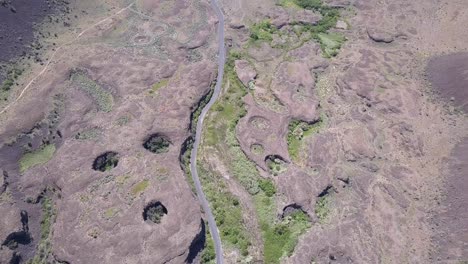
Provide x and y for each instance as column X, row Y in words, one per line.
column 267, row 187
column 309, row 4
column 44, row 247
column 322, row 208
column 263, row 30
column 208, row 254
column 11, row 76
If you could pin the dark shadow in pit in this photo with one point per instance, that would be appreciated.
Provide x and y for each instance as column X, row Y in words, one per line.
column 17, row 238
column 16, row 258
column 106, row 161
column 291, row 209
column 154, row 212
column 275, row 157
column 197, row 245
column 326, row 191
column 157, row 143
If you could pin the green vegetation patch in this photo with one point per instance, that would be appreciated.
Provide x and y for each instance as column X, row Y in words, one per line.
column 297, row 131
column 110, row 213
column 262, row 31
column 123, row 120
column 268, row 187
column 155, row 88
column 209, row 254
column 331, row 43
column 199, row 107
column 44, row 247
column 279, row 237
column 289, row 3
column 92, row 133
column 139, row 188
column 227, row 211
column 102, row 97
column 309, row 4
column 322, row 208
column 11, row 77
column 37, row 157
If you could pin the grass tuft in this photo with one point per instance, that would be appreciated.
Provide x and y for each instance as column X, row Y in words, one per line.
column 110, row 213
column 38, row 157
column 155, row 88
column 331, row 43
column 139, row 188
column 102, row 97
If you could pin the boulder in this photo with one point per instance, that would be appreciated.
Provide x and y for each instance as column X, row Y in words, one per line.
column 379, row 35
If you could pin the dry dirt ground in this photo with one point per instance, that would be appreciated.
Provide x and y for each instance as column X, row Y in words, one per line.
column 390, row 154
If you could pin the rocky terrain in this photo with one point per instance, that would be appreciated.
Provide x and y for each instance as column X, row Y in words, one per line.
column 344, row 122
column 93, row 144
column 340, row 135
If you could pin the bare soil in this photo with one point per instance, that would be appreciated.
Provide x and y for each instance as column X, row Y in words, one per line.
column 449, row 76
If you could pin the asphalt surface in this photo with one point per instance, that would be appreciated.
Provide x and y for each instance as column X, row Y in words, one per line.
column 193, row 158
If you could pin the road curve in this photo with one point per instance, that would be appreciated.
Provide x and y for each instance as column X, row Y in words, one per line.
column 193, row 157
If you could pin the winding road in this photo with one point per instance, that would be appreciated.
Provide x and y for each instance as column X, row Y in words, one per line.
column 193, row 158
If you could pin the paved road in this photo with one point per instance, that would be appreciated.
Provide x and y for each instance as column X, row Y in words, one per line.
column 193, row 157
